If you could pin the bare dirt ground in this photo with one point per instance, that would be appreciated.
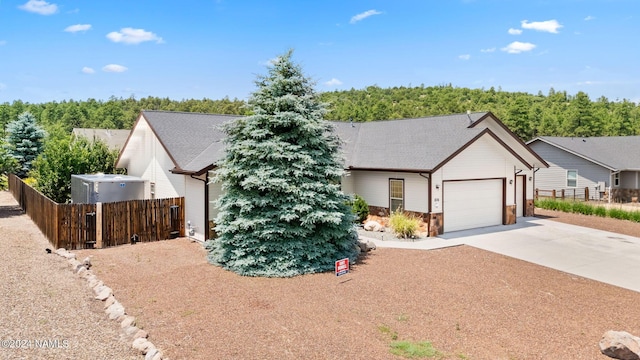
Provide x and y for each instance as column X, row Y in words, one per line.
column 469, row 303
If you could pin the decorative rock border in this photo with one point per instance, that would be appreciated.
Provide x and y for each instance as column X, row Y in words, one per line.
column 113, row 308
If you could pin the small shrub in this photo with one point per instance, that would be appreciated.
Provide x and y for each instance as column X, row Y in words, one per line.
column 4, row 182
column 403, row 225
column 600, row 211
column 360, row 208
column 635, row 216
column 618, row 214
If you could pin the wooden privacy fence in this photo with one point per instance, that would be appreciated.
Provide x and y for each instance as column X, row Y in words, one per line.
column 81, row 226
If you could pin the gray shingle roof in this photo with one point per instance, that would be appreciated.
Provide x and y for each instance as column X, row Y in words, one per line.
column 195, row 141
column 614, row 152
column 407, row 144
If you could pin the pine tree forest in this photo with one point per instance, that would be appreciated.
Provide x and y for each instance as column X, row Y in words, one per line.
column 556, row 113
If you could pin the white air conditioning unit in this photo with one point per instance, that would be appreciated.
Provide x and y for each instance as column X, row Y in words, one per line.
column 601, row 186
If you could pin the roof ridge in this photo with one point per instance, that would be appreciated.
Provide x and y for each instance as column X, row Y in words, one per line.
column 191, row 113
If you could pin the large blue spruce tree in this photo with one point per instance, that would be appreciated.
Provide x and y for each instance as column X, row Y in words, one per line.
column 282, row 212
column 24, row 141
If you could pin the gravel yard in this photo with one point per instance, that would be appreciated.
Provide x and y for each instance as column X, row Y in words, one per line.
column 47, row 311
column 469, row 303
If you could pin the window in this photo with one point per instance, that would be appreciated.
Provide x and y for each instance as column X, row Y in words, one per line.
column 572, row 178
column 616, row 179
column 396, row 194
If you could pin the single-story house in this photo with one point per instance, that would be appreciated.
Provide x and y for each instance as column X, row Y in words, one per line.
column 114, row 138
column 456, row 171
column 599, row 164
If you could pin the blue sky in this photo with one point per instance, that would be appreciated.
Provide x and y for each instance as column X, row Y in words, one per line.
column 79, row 49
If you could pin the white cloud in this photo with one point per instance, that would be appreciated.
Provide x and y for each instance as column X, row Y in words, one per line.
column 133, row 36
column 488, row 50
column 77, row 27
column 114, row 68
column 464, row 57
column 364, row 15
column 39, row 7
column 551, row 26
column 517, row 47
column 513, row 31
column 333, row 82
column 88, row 70
column 589, row 18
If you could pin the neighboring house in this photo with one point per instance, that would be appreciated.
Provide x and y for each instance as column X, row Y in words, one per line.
column 114, row 138
column 594, row 163
column 457, row 171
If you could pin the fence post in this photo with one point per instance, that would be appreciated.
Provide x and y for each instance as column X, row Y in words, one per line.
column 586, row 194
column 536, row 194
column 99, row 225
column 553, row 194
column 562, row 194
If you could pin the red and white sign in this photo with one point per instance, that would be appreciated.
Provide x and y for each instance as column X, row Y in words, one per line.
column 342, row 266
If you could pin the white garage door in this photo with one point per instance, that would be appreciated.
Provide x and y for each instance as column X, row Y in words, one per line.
column 472, row 204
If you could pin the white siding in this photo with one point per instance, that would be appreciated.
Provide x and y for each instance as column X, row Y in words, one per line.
column 145, row 157
column 629, row 180
column 373, row 186
column 484, row 159
column 555, row 177
column 194, row 201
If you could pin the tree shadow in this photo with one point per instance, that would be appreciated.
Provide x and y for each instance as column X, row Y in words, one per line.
column 9, row 211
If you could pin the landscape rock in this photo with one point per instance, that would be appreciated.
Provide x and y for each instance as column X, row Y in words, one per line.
column 87, row 262
column 141, row 344
column 373, row 226
column 131, row 331
column 61, row 251
column 109, row 301
column 141, row 334
column 157, row 356
column 128, row 321
column 151, row 353
column 115, row 310
column 366, row 245
column 620, row 345
column 104, row 293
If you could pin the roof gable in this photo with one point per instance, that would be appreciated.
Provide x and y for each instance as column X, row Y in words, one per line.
column 615, row 153
column 195, row 142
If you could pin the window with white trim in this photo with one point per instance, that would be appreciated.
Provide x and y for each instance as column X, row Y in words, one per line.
column 616, row 179
column 572, row 178
column 396, row 195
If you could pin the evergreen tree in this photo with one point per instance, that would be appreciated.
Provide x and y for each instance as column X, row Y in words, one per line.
column 282, row 212
column 24, row 141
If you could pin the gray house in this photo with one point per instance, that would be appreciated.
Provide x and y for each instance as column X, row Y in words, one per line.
column 595, row 163
column 458, row 171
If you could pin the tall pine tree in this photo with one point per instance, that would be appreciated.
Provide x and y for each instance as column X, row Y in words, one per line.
column 25, row 141
column 282, row 212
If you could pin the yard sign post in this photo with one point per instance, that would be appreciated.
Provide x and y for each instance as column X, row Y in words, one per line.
column 342, row 266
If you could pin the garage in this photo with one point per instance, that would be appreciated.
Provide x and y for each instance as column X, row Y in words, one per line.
column 472, row 204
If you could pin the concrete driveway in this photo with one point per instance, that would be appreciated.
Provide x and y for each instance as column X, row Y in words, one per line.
column 599, row 255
